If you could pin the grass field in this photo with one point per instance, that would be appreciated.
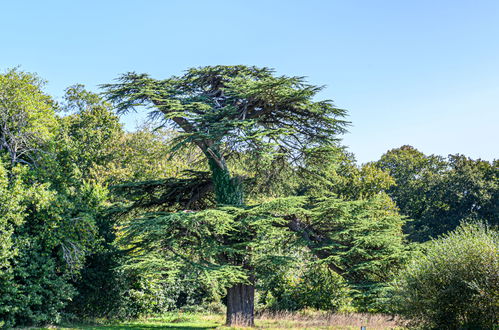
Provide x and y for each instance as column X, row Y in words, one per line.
column 266, row 321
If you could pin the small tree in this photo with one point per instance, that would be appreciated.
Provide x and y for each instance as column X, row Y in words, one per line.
column 455, row 283
column 228, row 111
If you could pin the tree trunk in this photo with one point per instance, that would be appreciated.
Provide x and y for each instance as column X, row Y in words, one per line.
column 229, row 191
column 240, row 305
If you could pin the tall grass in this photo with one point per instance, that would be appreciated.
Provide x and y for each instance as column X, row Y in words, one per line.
column 314, row 319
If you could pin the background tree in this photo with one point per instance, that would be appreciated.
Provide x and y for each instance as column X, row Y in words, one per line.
column 55, row 206
column 336, row 174
column 438, row 193
column 141, row 156
column 27, row 117
column 49, row 244
column 11, row 217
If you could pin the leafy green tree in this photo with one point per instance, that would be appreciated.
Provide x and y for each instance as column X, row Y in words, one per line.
column 355, row 226
column 45, row 250
column 82, row 146
column 27, row 116
column 213, row 241
column 46, row 243
column 438, row 193
column 140, row 156
column 407, row 166
column 92, row 150
column 230, row 110
column 51, row 205
column 336, row 174
column 11, row 217
column 78, row 165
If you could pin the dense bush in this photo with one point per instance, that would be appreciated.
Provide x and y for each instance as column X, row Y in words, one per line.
column 454, row 283
column 44, row 240
column 313, row 286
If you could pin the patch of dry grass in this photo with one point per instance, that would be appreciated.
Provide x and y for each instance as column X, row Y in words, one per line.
column 324, row 320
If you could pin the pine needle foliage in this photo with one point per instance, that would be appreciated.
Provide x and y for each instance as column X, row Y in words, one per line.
column 226, row 243
column 234, row 111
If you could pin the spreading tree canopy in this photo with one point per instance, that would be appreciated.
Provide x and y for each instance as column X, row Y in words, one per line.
column 228, row 111
column 231, row 112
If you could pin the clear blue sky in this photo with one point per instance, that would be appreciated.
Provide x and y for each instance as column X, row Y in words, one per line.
column 424, row 73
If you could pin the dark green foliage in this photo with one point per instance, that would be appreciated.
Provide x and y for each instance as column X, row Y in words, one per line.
column 195, row 191
column 49, row 247
column 226, row 243
column 11, row 217
column 437, row 193
column 356, row 229
column 77, row 168
column 47, row 231
column 245, row 108
column 454, row 283
column 55, row 209
column 306, row 286
column 149, row 285
column 228, row 112
column 98, row 287
column 92, row 147
column 39, row 290
column 235, row 111
column 223, row 246
column 366, row 238
column 11, row 214
column 360, row 240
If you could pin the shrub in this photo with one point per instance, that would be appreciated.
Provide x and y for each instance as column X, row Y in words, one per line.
column 317, row 287
column 454, row 283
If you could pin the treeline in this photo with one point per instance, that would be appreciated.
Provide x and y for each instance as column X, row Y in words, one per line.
column 238, row 187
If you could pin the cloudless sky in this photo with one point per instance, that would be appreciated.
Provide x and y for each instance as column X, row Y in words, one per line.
column 424, row 73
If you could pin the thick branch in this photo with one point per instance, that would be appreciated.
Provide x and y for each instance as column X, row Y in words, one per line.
column 185, row 126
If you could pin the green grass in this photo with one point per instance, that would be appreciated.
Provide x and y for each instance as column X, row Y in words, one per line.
column 168, row 321
column 216, row 321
